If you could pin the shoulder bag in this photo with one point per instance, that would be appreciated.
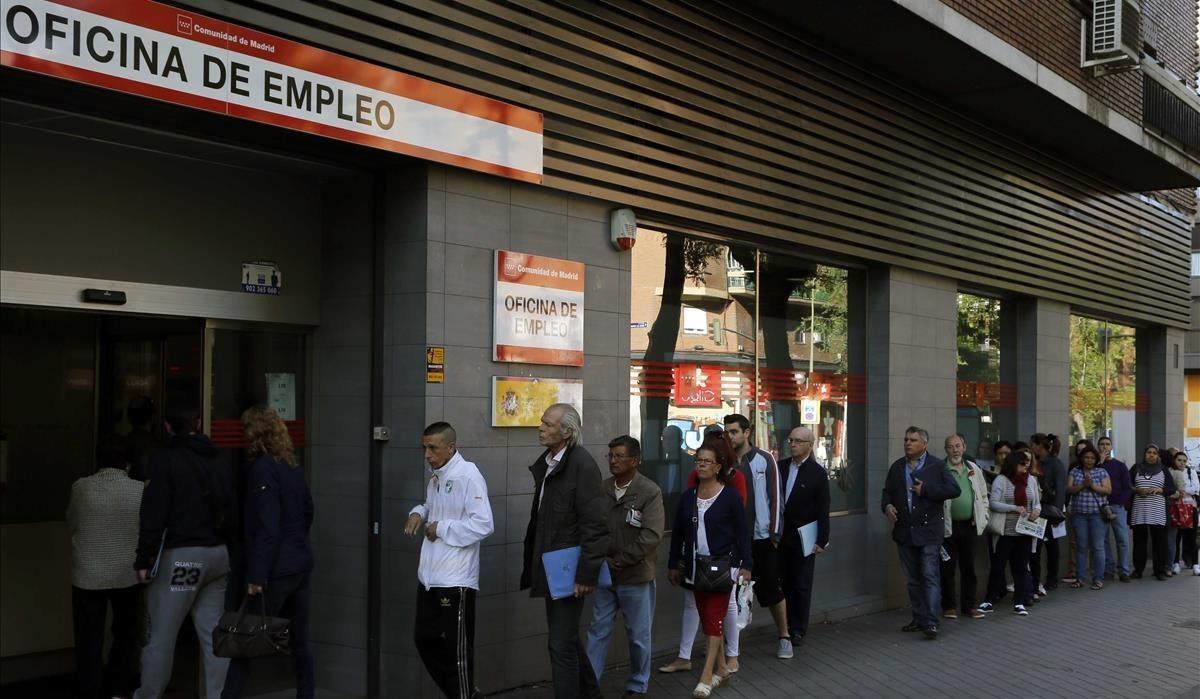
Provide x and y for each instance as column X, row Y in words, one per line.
column 255, row 636
column 712, row 572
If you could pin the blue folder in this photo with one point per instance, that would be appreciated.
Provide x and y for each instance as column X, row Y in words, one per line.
column 561, row 566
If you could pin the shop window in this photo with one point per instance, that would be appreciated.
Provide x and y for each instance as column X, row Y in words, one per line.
column 778, row 350
column 1104, row 399
column 985, row 403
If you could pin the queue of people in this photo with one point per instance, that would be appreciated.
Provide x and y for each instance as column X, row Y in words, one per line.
column 941, row 508
column 746, row 526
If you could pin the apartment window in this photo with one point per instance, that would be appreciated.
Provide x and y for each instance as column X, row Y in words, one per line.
column 1196, row 264
column 695, row 321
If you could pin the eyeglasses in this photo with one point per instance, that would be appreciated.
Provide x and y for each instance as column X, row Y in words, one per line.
column 699, row 462
column 799, row 441
column 617, row 457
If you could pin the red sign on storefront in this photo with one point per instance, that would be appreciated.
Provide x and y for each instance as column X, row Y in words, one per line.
column 185, row 58
column 697, row 386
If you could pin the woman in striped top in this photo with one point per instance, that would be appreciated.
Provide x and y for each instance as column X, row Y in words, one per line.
column 1014, row 495
column 1152, row 486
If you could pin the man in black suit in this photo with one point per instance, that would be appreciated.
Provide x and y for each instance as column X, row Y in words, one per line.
column 913, row 494
column 805, row 499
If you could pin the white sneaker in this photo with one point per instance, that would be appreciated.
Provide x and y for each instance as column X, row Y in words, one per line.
column 1042, row 590
column 1175, row 569
column 1019, row 610
column 1010, row 587
column 1196, row 569
column 784, row 652
column 987, row 607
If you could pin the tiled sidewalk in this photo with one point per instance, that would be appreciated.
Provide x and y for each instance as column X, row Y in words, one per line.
column 1051, row 653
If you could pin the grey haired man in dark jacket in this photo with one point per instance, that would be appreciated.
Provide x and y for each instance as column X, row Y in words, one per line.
column 567, row 511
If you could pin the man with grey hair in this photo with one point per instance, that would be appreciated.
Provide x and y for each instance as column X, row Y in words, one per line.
column 916, row 487
column 567, row 511
column 805, row 500
column 966, row 517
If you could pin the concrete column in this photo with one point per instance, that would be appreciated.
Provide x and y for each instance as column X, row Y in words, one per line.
column 911, row 369
column 1160, row 379
column 1042, row 349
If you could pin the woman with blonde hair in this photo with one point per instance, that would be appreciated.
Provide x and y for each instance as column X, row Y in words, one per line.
column 278, row 515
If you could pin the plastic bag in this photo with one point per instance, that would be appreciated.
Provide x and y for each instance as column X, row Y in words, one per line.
column 745, row 604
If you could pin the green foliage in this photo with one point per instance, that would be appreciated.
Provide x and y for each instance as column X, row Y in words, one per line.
column 978, row 338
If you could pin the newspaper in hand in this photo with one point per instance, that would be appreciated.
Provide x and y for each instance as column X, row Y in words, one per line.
column 1035, row 529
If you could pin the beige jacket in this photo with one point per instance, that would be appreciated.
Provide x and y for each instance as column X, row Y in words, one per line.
column 980, row 489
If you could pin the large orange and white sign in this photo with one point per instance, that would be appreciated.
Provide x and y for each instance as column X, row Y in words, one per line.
column 185, row 58
column 538, row 310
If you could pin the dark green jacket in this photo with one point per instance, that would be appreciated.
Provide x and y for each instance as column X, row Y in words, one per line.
column 634, row 548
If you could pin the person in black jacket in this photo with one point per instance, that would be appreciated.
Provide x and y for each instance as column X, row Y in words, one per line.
column 567, row 511
column 913, row 494
column 185, row 515
column 279, row 558
column 805, row 500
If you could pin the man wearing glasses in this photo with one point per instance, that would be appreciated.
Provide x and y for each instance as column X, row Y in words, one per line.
column 635, row 517
column 805, row 500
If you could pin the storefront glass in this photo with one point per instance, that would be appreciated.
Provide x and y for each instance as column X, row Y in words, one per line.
column 709, row 339
column 1104, row 398
column 984, row 401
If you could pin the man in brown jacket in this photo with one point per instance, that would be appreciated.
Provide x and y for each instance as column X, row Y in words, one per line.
column 634, row 507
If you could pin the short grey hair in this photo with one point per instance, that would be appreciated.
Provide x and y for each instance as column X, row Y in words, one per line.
column 570, row 420
column 922, row 433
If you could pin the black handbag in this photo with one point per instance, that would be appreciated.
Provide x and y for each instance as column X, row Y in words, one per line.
column 239, row 635
column 712, row 572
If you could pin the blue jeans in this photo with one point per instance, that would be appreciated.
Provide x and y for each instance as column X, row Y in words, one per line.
column 1172, row 535
column 636, row 603
column 1122, row 561
column 922, row 567
column 1091, row 534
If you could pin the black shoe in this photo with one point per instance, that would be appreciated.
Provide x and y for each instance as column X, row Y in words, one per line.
column 1160, row 576
column 930, row 632
column 912, row 626
column 1123, row 578
column 1137, row 575
column 797, row 640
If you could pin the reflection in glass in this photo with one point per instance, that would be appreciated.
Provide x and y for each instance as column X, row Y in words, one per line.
column 708, row 338
column 980, row 391
column 1103, row 386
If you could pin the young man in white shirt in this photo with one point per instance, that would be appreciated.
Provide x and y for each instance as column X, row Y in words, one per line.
column 455, row 517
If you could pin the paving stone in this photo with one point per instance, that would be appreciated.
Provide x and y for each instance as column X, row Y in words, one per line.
column 869, row 656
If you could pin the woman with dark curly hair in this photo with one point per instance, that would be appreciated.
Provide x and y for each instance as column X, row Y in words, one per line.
column 278, row 515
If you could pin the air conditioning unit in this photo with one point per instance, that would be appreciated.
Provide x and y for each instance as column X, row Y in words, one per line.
column 1111, row 41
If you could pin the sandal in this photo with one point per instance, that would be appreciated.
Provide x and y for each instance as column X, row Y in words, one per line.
column 1098, row 585
column 1076, row 585
column 717, row 680
column 677, row 665
column 702, row 691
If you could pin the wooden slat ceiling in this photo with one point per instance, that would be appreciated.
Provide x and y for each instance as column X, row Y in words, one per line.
column 707, row 119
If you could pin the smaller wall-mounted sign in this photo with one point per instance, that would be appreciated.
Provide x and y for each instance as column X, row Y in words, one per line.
column 435, row 365
column 519, row 401
column 638, row 325
column 261, row 277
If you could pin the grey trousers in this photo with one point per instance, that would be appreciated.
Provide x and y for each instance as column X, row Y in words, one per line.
column 190, row 580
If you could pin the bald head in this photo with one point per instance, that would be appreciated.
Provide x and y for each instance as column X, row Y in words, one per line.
column 800, row 443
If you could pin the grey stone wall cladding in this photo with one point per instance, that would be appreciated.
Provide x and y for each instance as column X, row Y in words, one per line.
column 440, row 248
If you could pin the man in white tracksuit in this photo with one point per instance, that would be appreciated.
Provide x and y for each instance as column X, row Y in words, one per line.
column 455, row 517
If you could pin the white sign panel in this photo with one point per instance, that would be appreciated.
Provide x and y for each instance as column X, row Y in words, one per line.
column 538, row 310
